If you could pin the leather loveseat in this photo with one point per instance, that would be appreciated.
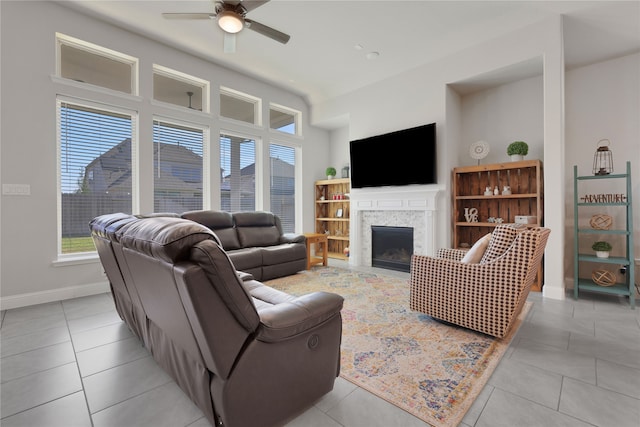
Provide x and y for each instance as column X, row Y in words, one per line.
column 255, row 242
column 246, row 354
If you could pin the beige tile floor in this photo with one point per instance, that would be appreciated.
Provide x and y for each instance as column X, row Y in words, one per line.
column 74, row 363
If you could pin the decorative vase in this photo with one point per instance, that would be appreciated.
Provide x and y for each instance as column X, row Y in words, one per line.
column 517, row 157
column 602, row 254
column 329, row 176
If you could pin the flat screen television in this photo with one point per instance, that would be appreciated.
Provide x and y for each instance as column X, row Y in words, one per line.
column 397, row 158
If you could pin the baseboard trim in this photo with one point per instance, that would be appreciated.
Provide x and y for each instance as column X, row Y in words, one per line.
column 554, row 292
column 33, row 298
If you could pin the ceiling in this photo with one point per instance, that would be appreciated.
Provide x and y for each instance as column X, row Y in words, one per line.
column 332, row 41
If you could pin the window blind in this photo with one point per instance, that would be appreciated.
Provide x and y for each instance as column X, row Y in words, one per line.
column 178, row 167
column 238, row 173
column 95, row 170
column 282, row 184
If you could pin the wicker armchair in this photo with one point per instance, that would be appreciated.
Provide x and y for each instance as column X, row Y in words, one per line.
column 488, row 296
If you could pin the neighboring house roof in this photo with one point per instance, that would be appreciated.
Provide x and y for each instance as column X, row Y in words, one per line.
column 112, row 171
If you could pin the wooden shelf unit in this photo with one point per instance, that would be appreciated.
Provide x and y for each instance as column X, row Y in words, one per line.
column 526, row 199
column 332, row 215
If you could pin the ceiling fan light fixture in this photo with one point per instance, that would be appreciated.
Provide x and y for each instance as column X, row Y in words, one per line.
column 230, row 21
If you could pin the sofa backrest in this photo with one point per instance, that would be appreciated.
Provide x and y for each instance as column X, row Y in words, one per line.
column 189, row 289
column 220, row 222
column 257, row 229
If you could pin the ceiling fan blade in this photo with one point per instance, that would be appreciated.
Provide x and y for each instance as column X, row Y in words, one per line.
column 267, row 31
column 252, row 4
column 229, row 43
column 189, row 15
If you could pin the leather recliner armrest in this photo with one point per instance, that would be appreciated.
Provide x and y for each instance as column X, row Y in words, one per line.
column 292, row 238
column 288, row 319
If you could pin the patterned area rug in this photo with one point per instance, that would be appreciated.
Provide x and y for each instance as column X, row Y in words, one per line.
column 431, row 370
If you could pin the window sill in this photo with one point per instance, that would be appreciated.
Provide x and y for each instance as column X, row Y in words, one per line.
column 76, row 259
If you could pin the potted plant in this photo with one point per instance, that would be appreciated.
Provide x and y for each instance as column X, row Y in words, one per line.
column 331, row 172
column 517, row 150
column 602, row 249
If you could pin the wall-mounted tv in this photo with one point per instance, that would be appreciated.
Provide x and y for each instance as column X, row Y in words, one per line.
column 402, row 157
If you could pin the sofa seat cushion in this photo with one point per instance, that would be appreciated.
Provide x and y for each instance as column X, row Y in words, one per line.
column 246, row 259
column 274, row 255
column 265, row 296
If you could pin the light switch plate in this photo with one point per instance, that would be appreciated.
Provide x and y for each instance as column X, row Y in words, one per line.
column 16, row 189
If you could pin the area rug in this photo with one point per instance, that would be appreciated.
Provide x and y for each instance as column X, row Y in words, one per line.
column 432, row 370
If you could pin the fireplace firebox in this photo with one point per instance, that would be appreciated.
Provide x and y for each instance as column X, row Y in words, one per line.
column 391, row 247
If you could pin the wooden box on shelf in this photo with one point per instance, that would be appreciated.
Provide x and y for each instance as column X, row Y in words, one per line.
column 332, row 214
column 520, row 193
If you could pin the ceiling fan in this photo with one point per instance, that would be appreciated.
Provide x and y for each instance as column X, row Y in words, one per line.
column 231, row 17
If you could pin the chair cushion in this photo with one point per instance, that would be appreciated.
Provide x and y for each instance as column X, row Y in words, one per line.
column 474, row 255
column 501, row 238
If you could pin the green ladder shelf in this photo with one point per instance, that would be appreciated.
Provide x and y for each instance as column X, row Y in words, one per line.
column 625, row 288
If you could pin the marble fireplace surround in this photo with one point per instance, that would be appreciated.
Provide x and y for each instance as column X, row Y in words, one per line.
column 406, row 207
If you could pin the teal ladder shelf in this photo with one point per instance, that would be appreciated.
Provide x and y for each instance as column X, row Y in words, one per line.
column 625, row 288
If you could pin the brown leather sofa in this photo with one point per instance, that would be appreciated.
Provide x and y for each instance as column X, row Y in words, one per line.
column 255, row 242
column 246, row 354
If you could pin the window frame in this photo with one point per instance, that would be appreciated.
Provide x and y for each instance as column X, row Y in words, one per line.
column 133, row 62
column 135, row 166
column 241, row 96
column 203, row 84
column 297, row 119
column 206, row 153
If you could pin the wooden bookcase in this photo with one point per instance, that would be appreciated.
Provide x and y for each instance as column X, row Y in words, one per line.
column 469, row 183
column 332, row 214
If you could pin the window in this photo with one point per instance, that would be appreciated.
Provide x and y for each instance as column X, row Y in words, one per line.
column 238, row 173
column 178, row 167
column 284, row 119
column 180, row 89
column 282, row 185
column 95, row 150
column 88, row 63
column 239, row 106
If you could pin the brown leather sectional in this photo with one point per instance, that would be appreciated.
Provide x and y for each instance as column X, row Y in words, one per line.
column 255, row 242
column 246, row 354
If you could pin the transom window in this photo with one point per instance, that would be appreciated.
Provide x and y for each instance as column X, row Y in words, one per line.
column 89, row 63
column 181, row 89
column 284, row 119
column 239, row 106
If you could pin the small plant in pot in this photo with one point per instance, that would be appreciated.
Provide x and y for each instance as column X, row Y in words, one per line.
column 517, row 150
column 602, row 249
column 331, row 172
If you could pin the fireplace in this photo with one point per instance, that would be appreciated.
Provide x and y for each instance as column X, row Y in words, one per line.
column 391, row 247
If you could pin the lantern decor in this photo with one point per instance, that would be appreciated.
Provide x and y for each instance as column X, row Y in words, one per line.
column 603, row 159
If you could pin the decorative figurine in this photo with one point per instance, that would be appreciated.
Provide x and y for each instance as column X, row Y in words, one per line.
column 496, row 191
column 471, row 214
column 506, row 190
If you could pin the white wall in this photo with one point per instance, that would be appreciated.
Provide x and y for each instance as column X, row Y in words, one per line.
column 501, row 115
column 601, row 102
column 423, row 95
column 29, row 272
